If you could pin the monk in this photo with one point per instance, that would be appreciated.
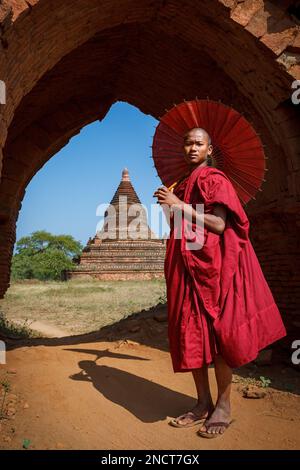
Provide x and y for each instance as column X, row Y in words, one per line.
column 220, row 308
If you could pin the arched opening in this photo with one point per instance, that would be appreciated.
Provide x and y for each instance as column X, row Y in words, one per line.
column 63, row 198
column 79, row 58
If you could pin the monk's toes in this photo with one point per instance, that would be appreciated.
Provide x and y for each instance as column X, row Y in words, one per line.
column 208, row 429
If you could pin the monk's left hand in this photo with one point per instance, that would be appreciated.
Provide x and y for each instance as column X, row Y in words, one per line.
column 165, row 196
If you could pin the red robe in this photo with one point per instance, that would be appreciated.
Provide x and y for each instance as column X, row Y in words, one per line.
column 218, row 299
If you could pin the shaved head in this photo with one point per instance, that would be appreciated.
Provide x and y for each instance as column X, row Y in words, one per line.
column 203, row 132
column 197, row 147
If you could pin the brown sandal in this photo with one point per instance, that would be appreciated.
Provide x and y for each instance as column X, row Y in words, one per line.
column 196, row 420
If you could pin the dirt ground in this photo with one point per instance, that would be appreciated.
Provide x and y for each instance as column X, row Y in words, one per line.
column 115, row 389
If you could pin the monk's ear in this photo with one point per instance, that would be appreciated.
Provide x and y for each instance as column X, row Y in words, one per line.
column 210, row 149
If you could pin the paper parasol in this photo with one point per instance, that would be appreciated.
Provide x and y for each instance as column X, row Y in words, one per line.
column 237, row 149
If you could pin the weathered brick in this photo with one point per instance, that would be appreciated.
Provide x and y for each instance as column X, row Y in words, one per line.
column 245, row 10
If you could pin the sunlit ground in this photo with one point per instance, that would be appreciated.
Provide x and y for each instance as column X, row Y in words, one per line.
column 79, row 306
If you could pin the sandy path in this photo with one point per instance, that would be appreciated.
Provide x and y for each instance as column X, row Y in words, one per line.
column 66, row 400
column 48, row 331
column 45, row 329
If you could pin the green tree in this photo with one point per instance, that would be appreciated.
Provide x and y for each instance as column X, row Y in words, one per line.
column 44, row 256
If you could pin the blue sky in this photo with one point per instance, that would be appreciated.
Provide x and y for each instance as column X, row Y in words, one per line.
column 63, row 196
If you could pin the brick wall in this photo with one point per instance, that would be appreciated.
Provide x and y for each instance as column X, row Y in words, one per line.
column 65, row 64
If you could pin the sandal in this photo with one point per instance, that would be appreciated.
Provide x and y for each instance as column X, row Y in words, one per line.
column 211, row 435
column 196, row 419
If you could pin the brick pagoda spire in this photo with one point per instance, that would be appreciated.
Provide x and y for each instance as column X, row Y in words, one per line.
column 125, row 247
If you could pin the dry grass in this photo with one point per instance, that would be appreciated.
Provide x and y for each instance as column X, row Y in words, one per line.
column 79, row 306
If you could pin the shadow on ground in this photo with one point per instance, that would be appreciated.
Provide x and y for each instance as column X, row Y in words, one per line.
column 149, row 328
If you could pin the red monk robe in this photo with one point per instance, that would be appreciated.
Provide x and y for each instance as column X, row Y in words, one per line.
column 218, row 298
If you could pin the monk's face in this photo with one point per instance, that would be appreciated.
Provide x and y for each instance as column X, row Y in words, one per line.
column 196, row 147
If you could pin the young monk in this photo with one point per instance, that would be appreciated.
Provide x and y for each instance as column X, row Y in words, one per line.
column 220, row 308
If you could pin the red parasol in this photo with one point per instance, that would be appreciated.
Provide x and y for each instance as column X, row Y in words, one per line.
column 237, row 149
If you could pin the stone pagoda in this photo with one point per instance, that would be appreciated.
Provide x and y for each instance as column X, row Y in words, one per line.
column 125, row 247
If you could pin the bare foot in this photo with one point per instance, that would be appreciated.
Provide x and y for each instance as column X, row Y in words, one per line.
column 221, row 414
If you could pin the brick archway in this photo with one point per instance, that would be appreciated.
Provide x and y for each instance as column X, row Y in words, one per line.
column 65, row 64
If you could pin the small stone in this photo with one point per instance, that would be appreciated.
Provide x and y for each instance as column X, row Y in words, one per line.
column 11, row 371
column 131, row 343
column 251, row 391
column 125, row 342
column 235, row 379
column 11, row 411
column 6, row 439
column 161, row 316
column 25, row 406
